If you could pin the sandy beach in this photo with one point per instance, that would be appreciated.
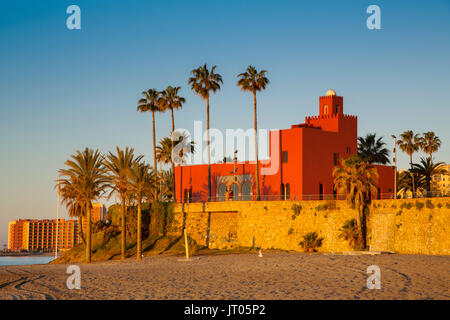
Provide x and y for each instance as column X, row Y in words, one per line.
column 277, row 275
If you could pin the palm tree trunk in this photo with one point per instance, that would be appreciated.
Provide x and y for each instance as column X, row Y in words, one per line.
column 139, row 231
column 256, row 148
column 171, row 160
column 412, row 175
column 124, row 236
column 80, row 224
column 88, row 233
column 209, row 150
column 359, row 224
column 154, row 155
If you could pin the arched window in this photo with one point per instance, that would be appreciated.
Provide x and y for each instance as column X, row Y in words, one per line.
column 235, row 189
column 320, row 191
column 288, row 191
column 325, row 109
column 221, row 192
column 246, row 192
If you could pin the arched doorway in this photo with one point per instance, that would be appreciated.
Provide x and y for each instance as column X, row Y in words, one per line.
column 221, row 192
column 235, row 188
column 245, row 192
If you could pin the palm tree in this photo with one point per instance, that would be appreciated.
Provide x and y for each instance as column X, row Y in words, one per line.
column 165, row 177
column 409, row 143
column 373, row 150
column 426, row 169
column 140, row 182
column 72, row 199
column 430, row 143
column 357, row 179
column 164, row 155
column 405, row 182
column 253, row 81
column 170, row 100
column 203, row 82
column 86, row 176
column 119, row 166
column 150, row 102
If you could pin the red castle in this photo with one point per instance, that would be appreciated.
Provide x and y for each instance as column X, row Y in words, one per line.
column 306, row 153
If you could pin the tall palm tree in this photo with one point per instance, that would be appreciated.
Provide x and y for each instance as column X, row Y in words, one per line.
column 141, row 183
column 170, row 100
column 357, row 179
column 150, row 103
column 119, row 166
column 85, row 173
column 409, row 143
column 372, row 150
column 72, row 199
column 430, row 143
column 253, row 81
column 426, row 169
column 203, row 82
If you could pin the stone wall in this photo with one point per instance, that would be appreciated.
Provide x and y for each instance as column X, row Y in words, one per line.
column 403, row 226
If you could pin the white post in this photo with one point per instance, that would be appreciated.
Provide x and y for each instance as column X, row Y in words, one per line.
column 57, row 222
column 395, row 166
column 186, row 244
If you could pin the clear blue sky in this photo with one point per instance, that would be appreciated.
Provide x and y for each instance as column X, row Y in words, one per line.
column 62, row 90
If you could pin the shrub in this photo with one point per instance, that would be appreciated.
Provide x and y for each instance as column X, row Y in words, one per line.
column 419, row 205
column 265, row 208
column 439, row 205
column 447, row 205
column 290, row 231
column 399, row 213
column 406, row 205
column 349, row 232
column 311, row 242
column 429, row 204
column 296, row 209
column 321, row 207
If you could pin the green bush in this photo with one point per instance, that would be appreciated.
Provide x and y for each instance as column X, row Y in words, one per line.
column 311, row 242
column 447, row 205
column 439, row 205
column 406, row 205
column 429, row 204
column 290, row 231
column 349, row 231
column 419, row 205
column 296, row 210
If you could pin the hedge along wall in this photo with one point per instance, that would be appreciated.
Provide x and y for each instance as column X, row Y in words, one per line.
column 404, row 226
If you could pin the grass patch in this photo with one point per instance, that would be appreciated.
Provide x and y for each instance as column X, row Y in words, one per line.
column 419, row 205
column 296, row 210
column 406, row 205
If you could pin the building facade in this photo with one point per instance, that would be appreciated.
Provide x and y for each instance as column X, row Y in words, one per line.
column 303, row 157
column 42, row 235
column 98, row 213
column 440, row 183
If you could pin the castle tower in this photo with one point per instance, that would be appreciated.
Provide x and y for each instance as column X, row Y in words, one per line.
column 331, row 104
